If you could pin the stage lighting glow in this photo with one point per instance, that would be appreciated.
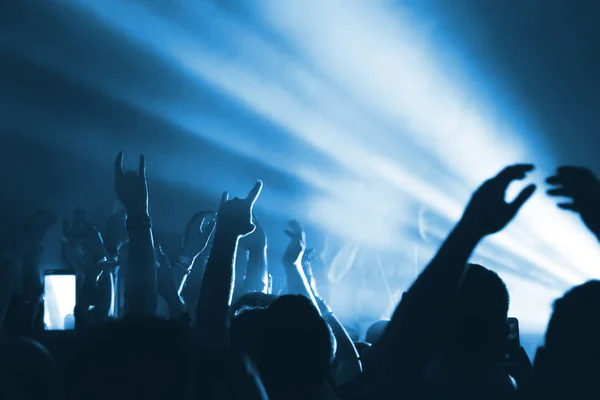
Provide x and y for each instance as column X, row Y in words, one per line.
column 410, row 124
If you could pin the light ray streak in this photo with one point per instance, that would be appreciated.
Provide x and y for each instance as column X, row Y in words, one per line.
column 403, row 81
column 307, row 124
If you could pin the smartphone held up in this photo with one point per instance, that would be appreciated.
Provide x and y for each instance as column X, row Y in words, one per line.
column 59, row 300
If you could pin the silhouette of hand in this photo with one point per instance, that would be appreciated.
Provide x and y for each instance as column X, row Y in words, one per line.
column 83, row 243
column 520, row 369
column 257, row 239
column 297, row 246
column 131, row 187
column 115, row 234
column 488, row 212
column 235, row 216
column 582, row 187
column 197, row 233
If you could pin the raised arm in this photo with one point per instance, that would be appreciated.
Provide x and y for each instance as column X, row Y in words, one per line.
column 409, row 336
column 234, row 220
column 346, row 364
column 188, row 267
column 198, row 233
column 297, row 281
column 140, row 274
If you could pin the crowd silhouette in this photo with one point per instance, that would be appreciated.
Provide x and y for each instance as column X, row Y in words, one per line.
column 181, row 331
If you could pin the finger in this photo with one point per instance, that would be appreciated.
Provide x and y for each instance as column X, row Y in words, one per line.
column 296, row 226
column 291, row 234
column 560, row 192
column 573, row 170
column 523, row 197
column 569, row 207
column 255, row 192
column 224, row 198
column 142, row 167
column 555, row 180
column 119, row 166
column 514, row 172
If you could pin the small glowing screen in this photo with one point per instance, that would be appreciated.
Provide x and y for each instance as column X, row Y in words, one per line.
column 59, row 301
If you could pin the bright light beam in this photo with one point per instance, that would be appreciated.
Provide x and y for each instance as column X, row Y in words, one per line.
column 404, row 83
column 377, row 51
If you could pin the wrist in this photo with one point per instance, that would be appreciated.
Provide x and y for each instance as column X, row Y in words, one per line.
column 225, row 235
column 469, row 232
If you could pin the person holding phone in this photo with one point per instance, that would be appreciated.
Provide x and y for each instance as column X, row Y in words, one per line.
column 516, row 361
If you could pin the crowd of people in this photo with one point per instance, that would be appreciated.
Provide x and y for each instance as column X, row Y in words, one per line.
column 147, row 327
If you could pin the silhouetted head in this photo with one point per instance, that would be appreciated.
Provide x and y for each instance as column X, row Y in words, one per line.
column 569, row 362
column 246, row 332
column 251, row 300
column 297, row 349
column 482, row 308
column 27, row 371
column 375, row 331
column 134, row 358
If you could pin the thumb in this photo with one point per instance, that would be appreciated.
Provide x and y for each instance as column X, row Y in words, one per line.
column 523, row 197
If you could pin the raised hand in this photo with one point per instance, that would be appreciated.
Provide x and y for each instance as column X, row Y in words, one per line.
column 488, row 212
column 235, row 216
column 131, row 187
column 197, row 234
column 83, row 246
column 582, row 188
column 297, row 246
